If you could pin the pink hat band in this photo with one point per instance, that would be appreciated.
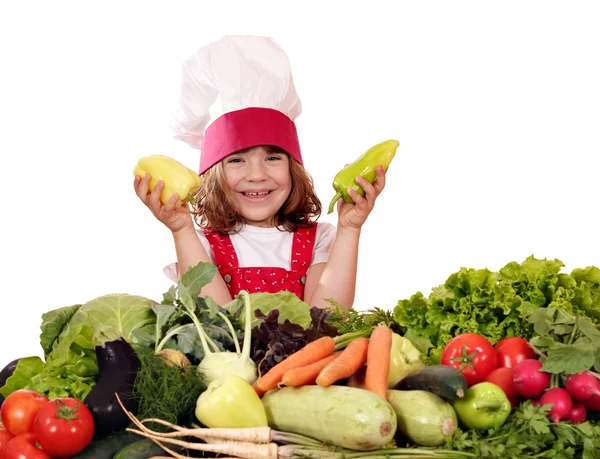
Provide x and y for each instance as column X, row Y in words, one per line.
column 246, row 128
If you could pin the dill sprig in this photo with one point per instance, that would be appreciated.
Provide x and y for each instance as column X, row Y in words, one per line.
column 164, row 391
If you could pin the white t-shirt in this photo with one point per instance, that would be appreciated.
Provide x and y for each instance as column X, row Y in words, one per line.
column 267, row 247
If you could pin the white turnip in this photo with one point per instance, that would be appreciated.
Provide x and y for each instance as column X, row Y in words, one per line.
column 582, row 386
column 528, row 380
column 561, row 403
column 577, row 414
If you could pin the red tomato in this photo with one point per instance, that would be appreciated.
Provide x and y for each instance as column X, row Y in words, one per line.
column 5, row 436
column 64, row 427
column 512, row 351
column 23, row 447
column 472, row 354
column 20, row 409
column 502, row 377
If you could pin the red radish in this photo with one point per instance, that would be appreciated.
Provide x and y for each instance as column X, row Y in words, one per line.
column 582, row 386
column 528, row 380
column 535, row 402
column 561, row 403
column 577, row 414
column 593, row 404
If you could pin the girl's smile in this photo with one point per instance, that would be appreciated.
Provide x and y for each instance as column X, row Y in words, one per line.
column 261, row 182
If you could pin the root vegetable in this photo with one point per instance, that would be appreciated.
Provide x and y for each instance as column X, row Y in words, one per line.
column 582, row 386
column 307, row 374
column 312, row 352
column 378, row 360
column 528, row 380
column 175, row 357
column 561, row 403
column 346, row 364
column 577, row 414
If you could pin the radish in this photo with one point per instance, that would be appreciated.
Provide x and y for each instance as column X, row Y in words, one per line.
column 593, row 404
column 528, row 380
column 577, row 414
column 561, row 403
column 582, row 386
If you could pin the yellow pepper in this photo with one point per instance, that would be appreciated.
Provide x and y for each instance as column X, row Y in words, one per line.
column 230, row 402
column 404, row 360
column 176, row 177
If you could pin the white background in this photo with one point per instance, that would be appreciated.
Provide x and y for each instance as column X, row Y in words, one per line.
column 496, row 106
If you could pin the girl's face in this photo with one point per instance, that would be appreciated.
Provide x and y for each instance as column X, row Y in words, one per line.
column 260, row 182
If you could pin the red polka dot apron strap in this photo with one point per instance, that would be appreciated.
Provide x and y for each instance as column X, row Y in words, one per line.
column 302, row 248
column 222, row 248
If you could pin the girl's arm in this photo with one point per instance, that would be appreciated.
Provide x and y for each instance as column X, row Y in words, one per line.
column 335, row 279
column 190, row 252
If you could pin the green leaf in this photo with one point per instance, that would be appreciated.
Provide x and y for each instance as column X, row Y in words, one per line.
column 588, row 329
column 26, row 369
column 197, row 277
column 542, row 320
column 422, row 343
column 115, row 316
column 542, row 342
column 53, row 323
column 569, row 359
column 563, row 329
column 290, row 308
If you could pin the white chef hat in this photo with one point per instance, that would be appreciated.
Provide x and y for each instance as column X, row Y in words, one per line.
column 251, row 77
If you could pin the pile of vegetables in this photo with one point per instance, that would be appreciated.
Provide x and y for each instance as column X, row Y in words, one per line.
column 491, row 364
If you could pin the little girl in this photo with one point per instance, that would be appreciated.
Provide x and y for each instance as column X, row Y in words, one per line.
column 257, row 207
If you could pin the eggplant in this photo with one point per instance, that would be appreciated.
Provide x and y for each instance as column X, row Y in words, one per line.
column 6, row 373
column 118, row 365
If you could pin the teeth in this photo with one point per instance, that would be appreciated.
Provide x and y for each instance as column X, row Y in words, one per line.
column 262, row 193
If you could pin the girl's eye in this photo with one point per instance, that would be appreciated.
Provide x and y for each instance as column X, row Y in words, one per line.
column 235, row 160
column 273, row 158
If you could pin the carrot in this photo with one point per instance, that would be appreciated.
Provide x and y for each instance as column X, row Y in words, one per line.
column 346, row 364
column 312, row 352
column 378, row 360
column 307, row 374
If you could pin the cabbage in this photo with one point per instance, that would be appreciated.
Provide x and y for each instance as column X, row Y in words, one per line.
column 111, row 317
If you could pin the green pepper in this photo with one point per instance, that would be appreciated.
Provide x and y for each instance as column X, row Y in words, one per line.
column 484, row 406
column 365, row 166
column 404, row 360
column 176, row 177
column 230, row 402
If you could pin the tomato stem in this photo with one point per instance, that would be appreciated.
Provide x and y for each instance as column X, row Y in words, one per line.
column 64, row 412
column 465, row 359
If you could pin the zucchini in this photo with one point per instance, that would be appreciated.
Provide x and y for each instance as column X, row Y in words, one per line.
column 423, row 417
column 441, row 380
column 343, row 416
column 108, row 446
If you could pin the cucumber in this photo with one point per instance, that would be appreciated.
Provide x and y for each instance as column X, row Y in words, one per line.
column 344, row 416
column 423, row 417
column 442, row 380
column 143, row 449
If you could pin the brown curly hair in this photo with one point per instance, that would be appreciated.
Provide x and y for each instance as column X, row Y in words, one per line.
column 214, row 206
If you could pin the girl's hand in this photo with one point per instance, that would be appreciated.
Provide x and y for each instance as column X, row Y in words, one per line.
column 173, row 218
column 353, row 215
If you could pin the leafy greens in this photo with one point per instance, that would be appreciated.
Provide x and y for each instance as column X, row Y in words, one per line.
column 497, row 304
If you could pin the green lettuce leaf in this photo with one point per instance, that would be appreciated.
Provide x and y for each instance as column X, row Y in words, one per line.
column 26, row 369
column 71, row 368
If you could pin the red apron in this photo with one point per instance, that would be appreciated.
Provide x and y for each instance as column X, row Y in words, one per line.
column 264, row 279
